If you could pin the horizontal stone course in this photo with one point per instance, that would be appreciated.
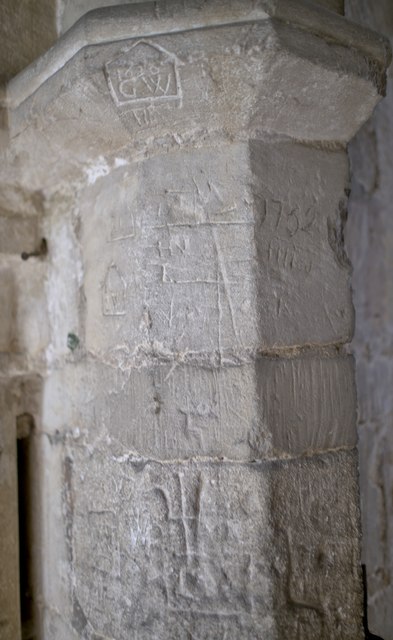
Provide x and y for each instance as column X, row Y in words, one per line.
column 273, row 407
column 233, row 251
column 214, row 550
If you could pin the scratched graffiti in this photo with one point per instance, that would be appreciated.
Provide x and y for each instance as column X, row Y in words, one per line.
column 113, row 292
column 123, row 225
column 186, row 410
column 175, row 555
column 209, row 256
column 185, row 258
column 144, row 74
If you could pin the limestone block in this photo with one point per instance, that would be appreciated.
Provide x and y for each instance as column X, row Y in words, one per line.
column 170, row 550
column 309, row 403
column 32, row 324
column 7, row 309
column 23, row 310
column 18, row 234
column 316, row 534
column 221, row 255
column 23, row 307
column 273, row 407
column 305, row 80
column 196, row 256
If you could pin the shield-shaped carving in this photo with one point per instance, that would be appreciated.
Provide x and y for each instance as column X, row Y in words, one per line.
column 143, row 74
column 114, row 293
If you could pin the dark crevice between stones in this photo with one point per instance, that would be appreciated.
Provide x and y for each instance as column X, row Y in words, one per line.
column 25, row 426
column 367, row 633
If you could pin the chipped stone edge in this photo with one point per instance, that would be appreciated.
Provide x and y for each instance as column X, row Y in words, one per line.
column 124, row 22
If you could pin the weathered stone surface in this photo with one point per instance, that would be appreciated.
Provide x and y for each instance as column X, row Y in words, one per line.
column 31, row 321
column 221, row 255
column 189, row 318
column 9, row 551
column 309, row 403
column 315, row 534
column 23, row 311
column 273, row 407
column 370, row 244
column 332, row 5
column 170, row 550
column 69, row 11
column 18, row 234
column 232, row 81
column 7, row 313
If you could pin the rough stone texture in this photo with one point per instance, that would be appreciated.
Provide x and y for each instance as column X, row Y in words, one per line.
column 370, row 243
column 312, row 599
column 272, row 407
column 189, row 318
column 9, row 551
column 7, row 305
column 24, row 324
column 27, row 29
column 236, row 88
column 69, row 11
column 198, row 550
column 218, row 255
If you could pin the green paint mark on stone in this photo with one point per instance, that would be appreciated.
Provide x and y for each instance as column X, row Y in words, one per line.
column 72, row 341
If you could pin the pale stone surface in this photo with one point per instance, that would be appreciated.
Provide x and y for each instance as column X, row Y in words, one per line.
column 272, row 407
column 18, row 234
column 203, row 541
column 189, row 319
column 7, row 306
column 221, row 255
column 24, row 327
column 238, row 77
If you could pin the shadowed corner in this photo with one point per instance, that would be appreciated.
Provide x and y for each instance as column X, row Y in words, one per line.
column 367, row 634
column 25, row 426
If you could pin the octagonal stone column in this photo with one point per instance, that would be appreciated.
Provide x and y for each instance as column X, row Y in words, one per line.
column 198, row 409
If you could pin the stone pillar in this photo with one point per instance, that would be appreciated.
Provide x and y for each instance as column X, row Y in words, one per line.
column 198, row 411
